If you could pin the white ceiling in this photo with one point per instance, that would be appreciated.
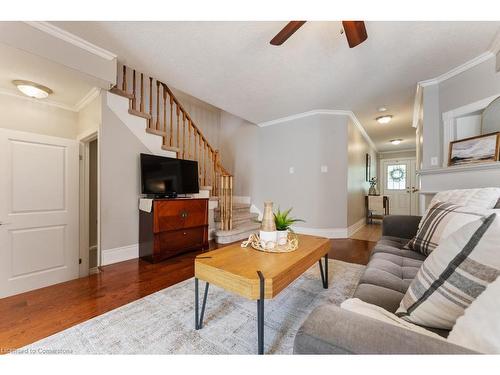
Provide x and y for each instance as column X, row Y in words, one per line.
column 232, row 65
column 68, row 88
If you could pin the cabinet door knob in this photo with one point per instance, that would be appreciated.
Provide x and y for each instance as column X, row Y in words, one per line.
column 184, row 214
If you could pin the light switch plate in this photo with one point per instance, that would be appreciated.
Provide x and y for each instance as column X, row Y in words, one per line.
column 434, row 161
column 324, row 169
column 291, row 170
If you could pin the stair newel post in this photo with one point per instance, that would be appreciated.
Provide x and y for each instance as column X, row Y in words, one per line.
column 183, row 135
column 178, row 145
column 200, row 157
column 164, row 115
column 141, row 104
column 124, row 81
column 150, row 101
column 171, row 142
column 216, row 180
column 205, row 164
column 158, row 105
column 226, row 199
column 134, row 100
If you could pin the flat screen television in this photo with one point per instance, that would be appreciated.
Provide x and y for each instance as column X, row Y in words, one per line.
column 168, row 177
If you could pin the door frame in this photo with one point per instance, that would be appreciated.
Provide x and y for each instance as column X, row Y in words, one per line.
column 416, row 209
column 85, row 204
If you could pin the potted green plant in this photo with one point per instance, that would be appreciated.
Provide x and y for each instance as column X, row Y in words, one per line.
column 283, row 223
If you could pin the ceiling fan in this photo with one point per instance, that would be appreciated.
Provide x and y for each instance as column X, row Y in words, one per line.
column 355, row 31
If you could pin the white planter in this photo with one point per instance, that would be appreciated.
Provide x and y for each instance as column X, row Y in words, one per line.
column 268, row 236
column 282, row 237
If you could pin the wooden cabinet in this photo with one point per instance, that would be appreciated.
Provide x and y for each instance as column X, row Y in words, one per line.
column 173, row 226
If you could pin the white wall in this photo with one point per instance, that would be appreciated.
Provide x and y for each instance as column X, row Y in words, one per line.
column 89, row 117
column 34, row 116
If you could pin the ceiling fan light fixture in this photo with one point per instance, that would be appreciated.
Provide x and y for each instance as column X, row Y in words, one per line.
column 32, row 89
column 396, row 142
column 384, row 119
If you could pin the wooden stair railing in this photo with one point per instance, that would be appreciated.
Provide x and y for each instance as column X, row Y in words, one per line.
column 168, row 119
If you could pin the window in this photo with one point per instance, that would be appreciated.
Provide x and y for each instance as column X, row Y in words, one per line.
column 396, row 177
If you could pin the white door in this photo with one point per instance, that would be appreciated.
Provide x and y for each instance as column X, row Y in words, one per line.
column 400, row 185
column 38, row 211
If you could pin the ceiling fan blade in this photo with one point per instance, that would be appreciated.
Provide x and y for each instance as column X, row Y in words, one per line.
column 286, row 32
column 355, row 31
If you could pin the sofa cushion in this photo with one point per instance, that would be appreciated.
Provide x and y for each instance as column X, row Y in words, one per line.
column 388, row 273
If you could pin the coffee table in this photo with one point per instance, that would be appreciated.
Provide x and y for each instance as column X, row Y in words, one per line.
column 257, row 275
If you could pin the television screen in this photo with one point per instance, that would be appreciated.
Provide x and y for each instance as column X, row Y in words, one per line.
column 168, row 176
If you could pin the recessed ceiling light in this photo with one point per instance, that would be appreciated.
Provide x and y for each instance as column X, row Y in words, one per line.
column 32, row 89
column 396, row 141
column 384, row 119
column 382, row 109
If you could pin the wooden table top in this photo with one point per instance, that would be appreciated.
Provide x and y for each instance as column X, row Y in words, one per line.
column 235, row 268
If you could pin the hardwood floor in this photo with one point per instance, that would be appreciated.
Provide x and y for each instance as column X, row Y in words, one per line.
column 370, row 232
column 31, row 316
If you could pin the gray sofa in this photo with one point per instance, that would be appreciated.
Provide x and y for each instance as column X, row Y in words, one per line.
column 332, row 330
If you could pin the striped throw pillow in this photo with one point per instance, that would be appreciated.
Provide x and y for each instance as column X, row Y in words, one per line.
column 454, row 275
column 441, row 220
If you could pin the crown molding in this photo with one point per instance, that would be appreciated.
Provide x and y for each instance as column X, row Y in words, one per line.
column 72, row 39
column 457, row 70
column 91, row 95
column 397, row 151
column 38, row 101
column 330, row 112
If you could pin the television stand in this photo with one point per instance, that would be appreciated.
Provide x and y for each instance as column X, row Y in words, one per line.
column 174, row 226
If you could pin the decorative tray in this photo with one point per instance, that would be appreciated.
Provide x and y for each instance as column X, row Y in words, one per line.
column 272, row 247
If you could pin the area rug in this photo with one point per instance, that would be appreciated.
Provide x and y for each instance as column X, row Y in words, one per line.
column 163, row 322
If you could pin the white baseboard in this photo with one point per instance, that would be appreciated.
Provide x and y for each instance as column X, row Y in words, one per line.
column 323, row 232
column 119, row 254
column 356, row 226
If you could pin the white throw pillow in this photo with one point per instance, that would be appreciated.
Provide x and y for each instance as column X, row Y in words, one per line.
column 377, row 312
column 482, row 197
column 479, row 328
column 454, row 275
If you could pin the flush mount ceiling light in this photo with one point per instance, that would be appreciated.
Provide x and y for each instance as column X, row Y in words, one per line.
column 384, row 119
column 32, row 89
column 396, row 142
column 382, row 109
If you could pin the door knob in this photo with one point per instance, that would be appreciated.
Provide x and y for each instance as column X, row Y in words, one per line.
column 414, row 190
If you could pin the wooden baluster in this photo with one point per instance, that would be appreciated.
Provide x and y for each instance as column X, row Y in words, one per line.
column 165, row 114
column 124, row 82
column 216, row 180
column 157, row 105
column 201, row 160
column 141, row 104
column 171, row 121
column 183, row 135
column 134, row 101
column 150, row 101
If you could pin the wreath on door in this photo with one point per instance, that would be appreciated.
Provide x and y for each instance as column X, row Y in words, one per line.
column 397, row 174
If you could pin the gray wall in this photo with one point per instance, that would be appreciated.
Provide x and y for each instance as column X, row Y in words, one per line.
column 477, row 83
column 120, row 181
column 239, row 140
column 397, row 155
column 305, row 144
column 357, row 187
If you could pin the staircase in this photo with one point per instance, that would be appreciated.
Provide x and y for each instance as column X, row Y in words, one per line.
column 244, row 223
column 166, row 119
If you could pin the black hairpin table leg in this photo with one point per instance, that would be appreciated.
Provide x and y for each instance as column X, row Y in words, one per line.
column 324, row 275
column 198, row 319
column 260, row 315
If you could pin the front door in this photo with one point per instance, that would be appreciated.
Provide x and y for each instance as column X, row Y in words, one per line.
column 400, row 185
column 38, row 211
